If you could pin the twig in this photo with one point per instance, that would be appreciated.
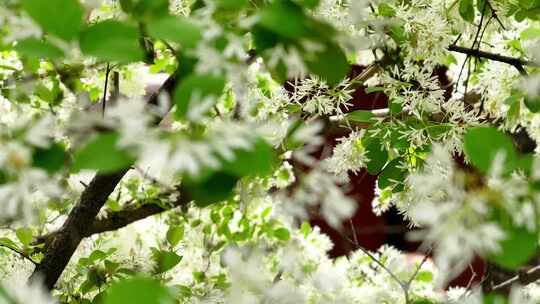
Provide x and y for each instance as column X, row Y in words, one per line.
column 516, row 62
column 119, row 219
column 524, row 278
column 417, row 271
column 494, row 15
column 403, row 285
column 105, row 89
column 22, row 254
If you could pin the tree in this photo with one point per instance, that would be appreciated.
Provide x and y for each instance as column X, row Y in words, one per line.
column 157, row 151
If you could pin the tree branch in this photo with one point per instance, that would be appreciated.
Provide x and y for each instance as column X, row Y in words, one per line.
column 60, row 247
column 516, row 62
column 22, row 254
column 119, row 219
column 523, row 278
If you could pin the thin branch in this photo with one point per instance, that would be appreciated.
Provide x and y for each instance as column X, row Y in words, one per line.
column 524, row 278
column 516, row 62
column 494, row 14
column 417, row 271
column 402, row 284
column 22, row 254
column 105, row 89
column 119, row 219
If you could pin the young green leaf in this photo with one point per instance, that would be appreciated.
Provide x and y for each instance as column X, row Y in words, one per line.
column 165, row 260
column 175, row 234
column 282, row 234
column 24, row 235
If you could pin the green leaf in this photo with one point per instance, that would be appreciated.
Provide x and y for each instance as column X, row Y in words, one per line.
column 257, row 161
column 424, row 276
column 519, row 246
column 466, row 10
column 309, row 3
column 33, row 47
column 8, row 243
column 495, row 298
column 147, row 10
column 370, row 90
column 195, row 88
column 514, row 103
column 330, row 64
column 525, row 162
column 175, row 234
column 24, row 235
column 386, row 10
column 111, row 40
column 392, row 176
column 481, row 145
column 532, row 103
column 127, row 5
column 397, row 33
column 102, row 153
column 50, row 159
column 211, row 189
column 360, row 116
column 378, row 156
column 166, row 260
column 282, row 234
column 232, row 4
column 176, row 29
column 96, row 255
column 305, row 229
column 285, row 18
column 62, row 18
column 530, row 33
column 138, row 291
column 482, row 7
column 52, row 96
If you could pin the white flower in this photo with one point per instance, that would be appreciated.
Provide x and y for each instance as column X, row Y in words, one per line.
column 19, row 199
column 348, row 156
column 452, row 218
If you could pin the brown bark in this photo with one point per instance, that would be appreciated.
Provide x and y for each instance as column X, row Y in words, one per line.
column 60, row 247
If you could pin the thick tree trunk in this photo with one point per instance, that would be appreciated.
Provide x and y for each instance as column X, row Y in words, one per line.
column 60, row 248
